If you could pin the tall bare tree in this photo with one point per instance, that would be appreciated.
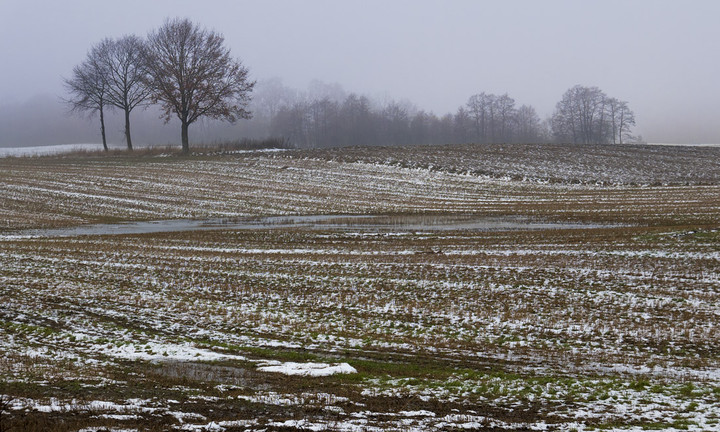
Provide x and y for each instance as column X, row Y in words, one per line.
column 396, row 123
column 462, row 126
column 121, row 63
column 291, row 122
column 357, row 121
column 479, row 107
column 625, row 121
column 504, row 113
column 527, row 125
column 88, row 88
column 622, row 119
column 192, row 75
column 580, row 116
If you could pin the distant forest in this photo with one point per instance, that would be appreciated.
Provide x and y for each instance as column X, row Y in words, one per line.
column 327, row 117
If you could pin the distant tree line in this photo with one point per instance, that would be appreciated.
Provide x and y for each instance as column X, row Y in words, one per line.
column 184, row 68
column 329, row 120
column 327, row 117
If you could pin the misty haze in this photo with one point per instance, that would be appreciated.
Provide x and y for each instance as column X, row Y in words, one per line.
column 407, row 215
column 656, row 55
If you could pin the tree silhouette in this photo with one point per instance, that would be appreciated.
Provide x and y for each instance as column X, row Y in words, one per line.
column 192, row 75
column 88, row 88
column 124, row 76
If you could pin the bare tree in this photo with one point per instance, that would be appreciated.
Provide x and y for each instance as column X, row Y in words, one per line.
column 527, row 125
column 121, row 63
column 625, row 120
column 493, row 116
column 462, row 126
column 88, row 88
column 587, row 115
column 192, row 75
column 622, row 119
column 479, row 108
column 579, row 116
column 395, row 119
column 291, row 122
column 504, row 113
column 322, row 116
column 357, row 121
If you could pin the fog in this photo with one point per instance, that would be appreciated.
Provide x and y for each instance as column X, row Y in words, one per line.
column 659, row 56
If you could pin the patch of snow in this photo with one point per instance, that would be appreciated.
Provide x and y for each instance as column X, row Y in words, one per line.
column 48, row 150
column 420, row 413
column 307, row 369
column 166, row 352
column 120, row 416
column 105, row 429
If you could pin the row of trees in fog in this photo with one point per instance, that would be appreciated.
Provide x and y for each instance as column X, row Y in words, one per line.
column 185, row 69
column 332, row 118
column 189, row 73
column 355, row 120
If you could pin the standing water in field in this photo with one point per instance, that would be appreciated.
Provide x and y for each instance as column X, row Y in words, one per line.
column 367, row 223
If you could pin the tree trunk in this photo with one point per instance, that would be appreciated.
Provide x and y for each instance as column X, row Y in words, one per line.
column 185, row 141
column 127, row 130
column 102, row 129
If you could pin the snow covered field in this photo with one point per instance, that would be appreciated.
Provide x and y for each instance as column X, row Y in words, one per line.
column 50, row 150
column 303, row 328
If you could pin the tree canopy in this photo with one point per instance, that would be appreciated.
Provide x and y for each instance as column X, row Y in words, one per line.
column 192, row 75
column 124, row 75
column 88, row 88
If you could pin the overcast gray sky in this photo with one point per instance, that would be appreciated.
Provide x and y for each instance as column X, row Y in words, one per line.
column 661, row 56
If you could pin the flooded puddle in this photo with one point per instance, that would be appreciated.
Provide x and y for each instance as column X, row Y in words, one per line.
column 364, row 223
column 204, row 372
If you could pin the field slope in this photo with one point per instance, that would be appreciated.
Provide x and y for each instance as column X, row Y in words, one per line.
column 607, row 321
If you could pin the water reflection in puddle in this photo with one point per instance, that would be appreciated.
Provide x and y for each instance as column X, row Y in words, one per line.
column 367, row 223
